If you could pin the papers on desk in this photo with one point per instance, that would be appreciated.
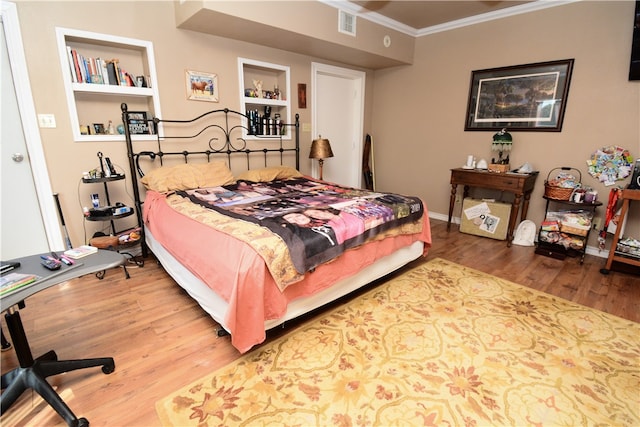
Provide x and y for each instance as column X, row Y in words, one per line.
column 15, row 281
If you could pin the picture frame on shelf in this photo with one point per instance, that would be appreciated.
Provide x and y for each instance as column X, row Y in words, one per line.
column 201, row 86
column 141, row 81
column 98, row 128
column 138, row 123
column 528, row 97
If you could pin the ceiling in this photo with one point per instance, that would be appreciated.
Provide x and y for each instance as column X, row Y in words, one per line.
column 424, row 14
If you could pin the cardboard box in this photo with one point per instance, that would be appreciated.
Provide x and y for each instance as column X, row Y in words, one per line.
column 485, row 218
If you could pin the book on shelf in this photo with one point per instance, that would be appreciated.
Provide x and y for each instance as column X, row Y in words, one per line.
column 13, row 281
column 81, row 251
column 113, row 68
column 97, row 70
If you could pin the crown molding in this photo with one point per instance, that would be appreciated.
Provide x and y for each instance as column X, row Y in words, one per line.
column 459, row 23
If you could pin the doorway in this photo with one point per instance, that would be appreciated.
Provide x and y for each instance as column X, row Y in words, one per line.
column 337, row 96
column 28, row 218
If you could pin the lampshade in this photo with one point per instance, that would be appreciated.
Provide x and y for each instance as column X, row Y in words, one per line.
column 502, row 141
column 320, row 148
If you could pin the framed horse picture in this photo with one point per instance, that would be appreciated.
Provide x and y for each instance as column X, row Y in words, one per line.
column 201, row 86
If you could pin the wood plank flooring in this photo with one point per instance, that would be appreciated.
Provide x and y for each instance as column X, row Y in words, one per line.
column 161, row 339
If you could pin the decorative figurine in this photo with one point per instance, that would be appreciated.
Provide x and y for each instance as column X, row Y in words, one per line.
column 258, row 86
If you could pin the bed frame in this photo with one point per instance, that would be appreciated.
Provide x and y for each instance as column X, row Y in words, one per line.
column 223, row 132
column 223, row 129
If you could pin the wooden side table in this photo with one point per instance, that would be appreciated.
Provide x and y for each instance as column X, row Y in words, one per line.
column 627, row 196
column 520, row 184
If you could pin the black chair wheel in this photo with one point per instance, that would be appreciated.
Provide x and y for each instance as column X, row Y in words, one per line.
column 108, row 368
column 82, row 422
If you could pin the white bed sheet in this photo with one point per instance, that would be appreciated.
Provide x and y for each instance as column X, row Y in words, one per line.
column 216, row 306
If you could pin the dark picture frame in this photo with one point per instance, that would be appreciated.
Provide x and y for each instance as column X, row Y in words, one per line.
column 98, row 128
column 302, row 95
column 529, row 97
column 138, row 123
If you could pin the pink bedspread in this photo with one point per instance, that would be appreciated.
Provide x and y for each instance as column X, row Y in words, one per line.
column 236, row 273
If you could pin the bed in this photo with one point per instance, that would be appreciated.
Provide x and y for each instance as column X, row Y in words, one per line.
column 220, row 210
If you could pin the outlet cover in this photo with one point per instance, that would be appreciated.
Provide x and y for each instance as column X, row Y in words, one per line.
column 46, row 120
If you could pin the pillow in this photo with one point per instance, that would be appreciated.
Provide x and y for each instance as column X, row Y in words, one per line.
column 269, row 174
column 187, row 176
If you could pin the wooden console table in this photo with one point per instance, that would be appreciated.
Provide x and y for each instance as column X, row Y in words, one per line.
column 520, row 184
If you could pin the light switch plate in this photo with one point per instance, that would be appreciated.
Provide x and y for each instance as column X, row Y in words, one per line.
column 47, row 120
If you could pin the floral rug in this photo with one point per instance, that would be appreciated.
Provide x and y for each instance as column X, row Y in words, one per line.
column 440, row 344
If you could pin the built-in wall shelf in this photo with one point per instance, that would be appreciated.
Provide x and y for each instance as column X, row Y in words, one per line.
column 272, row 105
column 100, row 72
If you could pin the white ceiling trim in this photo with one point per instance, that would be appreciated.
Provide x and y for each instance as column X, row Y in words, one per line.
column 485, row 17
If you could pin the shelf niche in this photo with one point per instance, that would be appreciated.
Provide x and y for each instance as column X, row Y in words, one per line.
column 91, row 103
column 271, row 75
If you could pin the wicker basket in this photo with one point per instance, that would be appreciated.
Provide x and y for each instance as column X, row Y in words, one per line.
column 559, row 193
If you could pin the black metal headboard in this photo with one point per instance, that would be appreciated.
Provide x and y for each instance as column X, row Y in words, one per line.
column 219, row 133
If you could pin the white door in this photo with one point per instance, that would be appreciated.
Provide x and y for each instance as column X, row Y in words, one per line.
column 23, row 230
column 337, row 96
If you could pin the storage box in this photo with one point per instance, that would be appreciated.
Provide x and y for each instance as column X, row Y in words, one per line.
column 496, row 167
column 485, row 218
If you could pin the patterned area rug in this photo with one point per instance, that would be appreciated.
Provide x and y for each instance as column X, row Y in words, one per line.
column 440, row 344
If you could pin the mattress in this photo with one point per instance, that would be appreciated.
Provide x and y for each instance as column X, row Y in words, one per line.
column 233, row 284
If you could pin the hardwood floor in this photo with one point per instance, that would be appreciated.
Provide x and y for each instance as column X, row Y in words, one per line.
column 162, row 340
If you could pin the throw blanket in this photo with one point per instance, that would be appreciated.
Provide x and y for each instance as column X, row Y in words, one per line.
column 316, row 220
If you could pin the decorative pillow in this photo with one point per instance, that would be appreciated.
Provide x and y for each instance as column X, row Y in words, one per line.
column 269, row 174
column 187, row 176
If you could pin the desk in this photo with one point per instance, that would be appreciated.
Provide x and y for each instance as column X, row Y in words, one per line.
column 33, row 373
column 521, row 185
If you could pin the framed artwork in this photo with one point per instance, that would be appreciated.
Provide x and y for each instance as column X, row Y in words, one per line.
column 530, row 97
column 98, row 128
column 302, row 95
column 202, row 86
column 138, row 123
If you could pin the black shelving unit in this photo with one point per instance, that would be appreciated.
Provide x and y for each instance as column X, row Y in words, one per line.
column 556, row 249
column 111, row 218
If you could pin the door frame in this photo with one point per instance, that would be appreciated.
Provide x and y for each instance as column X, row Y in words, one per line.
column 39, row 171
column 345, row 73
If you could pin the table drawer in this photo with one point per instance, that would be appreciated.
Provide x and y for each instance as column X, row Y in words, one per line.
column 498, row 181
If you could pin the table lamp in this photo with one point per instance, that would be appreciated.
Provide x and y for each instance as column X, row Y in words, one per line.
column 502, row 142
column 320, row 150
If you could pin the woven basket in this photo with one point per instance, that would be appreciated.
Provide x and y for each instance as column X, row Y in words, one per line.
column 559, row 193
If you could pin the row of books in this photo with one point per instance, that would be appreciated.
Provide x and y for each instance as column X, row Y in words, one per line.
column 97, row 70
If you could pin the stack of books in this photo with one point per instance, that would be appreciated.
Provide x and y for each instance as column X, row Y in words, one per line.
column 15, row 281
column 81, row 251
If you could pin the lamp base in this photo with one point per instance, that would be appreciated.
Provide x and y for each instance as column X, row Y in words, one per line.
column 500, row 168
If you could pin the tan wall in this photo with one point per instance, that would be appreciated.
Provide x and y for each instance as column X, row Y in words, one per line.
column 419, row 110
column 175, row 50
